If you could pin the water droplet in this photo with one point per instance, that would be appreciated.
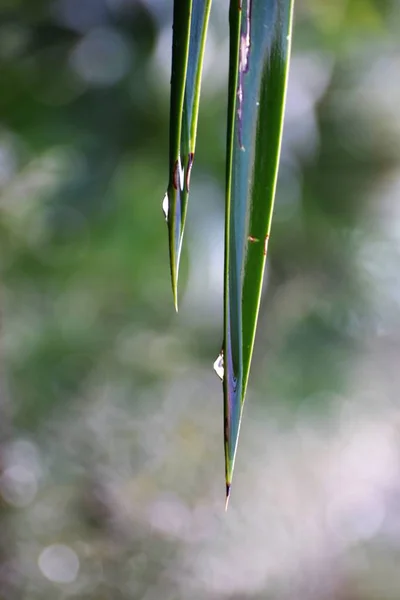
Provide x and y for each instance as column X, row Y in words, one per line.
column 219, row 366
column 165, row 206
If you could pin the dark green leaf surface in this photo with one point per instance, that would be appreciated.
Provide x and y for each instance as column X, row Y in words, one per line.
column 260, row 34
column 190, row 30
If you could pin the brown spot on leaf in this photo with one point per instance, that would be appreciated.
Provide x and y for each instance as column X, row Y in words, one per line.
column 175, row 175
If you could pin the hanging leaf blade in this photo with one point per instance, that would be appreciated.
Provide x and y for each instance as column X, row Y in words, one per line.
column 190, row 26
column 260, row 35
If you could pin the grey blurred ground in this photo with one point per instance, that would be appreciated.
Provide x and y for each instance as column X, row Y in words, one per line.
column 111, row 455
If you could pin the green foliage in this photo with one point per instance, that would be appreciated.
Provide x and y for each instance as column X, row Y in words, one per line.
column 190, row 30
column 260, row 34
column 110, row 417
column 259, row 60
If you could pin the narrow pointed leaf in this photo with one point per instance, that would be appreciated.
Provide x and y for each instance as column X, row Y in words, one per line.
column 260, row 34
column 189, row 34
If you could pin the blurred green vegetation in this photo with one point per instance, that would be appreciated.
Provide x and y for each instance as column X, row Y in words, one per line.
column 111, row 418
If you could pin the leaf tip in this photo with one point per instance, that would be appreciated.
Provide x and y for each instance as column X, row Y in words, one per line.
column 174, row 252
column 228, row 494
column 176, row 302
column 174, row 281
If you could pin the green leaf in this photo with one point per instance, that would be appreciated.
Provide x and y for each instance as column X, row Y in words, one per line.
column 260, row 35
column 188, row 43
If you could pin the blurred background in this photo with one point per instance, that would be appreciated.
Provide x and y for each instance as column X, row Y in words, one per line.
column 111, row 452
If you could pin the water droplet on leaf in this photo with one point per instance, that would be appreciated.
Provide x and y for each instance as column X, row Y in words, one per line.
column 165, row 206
column 219, row 366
